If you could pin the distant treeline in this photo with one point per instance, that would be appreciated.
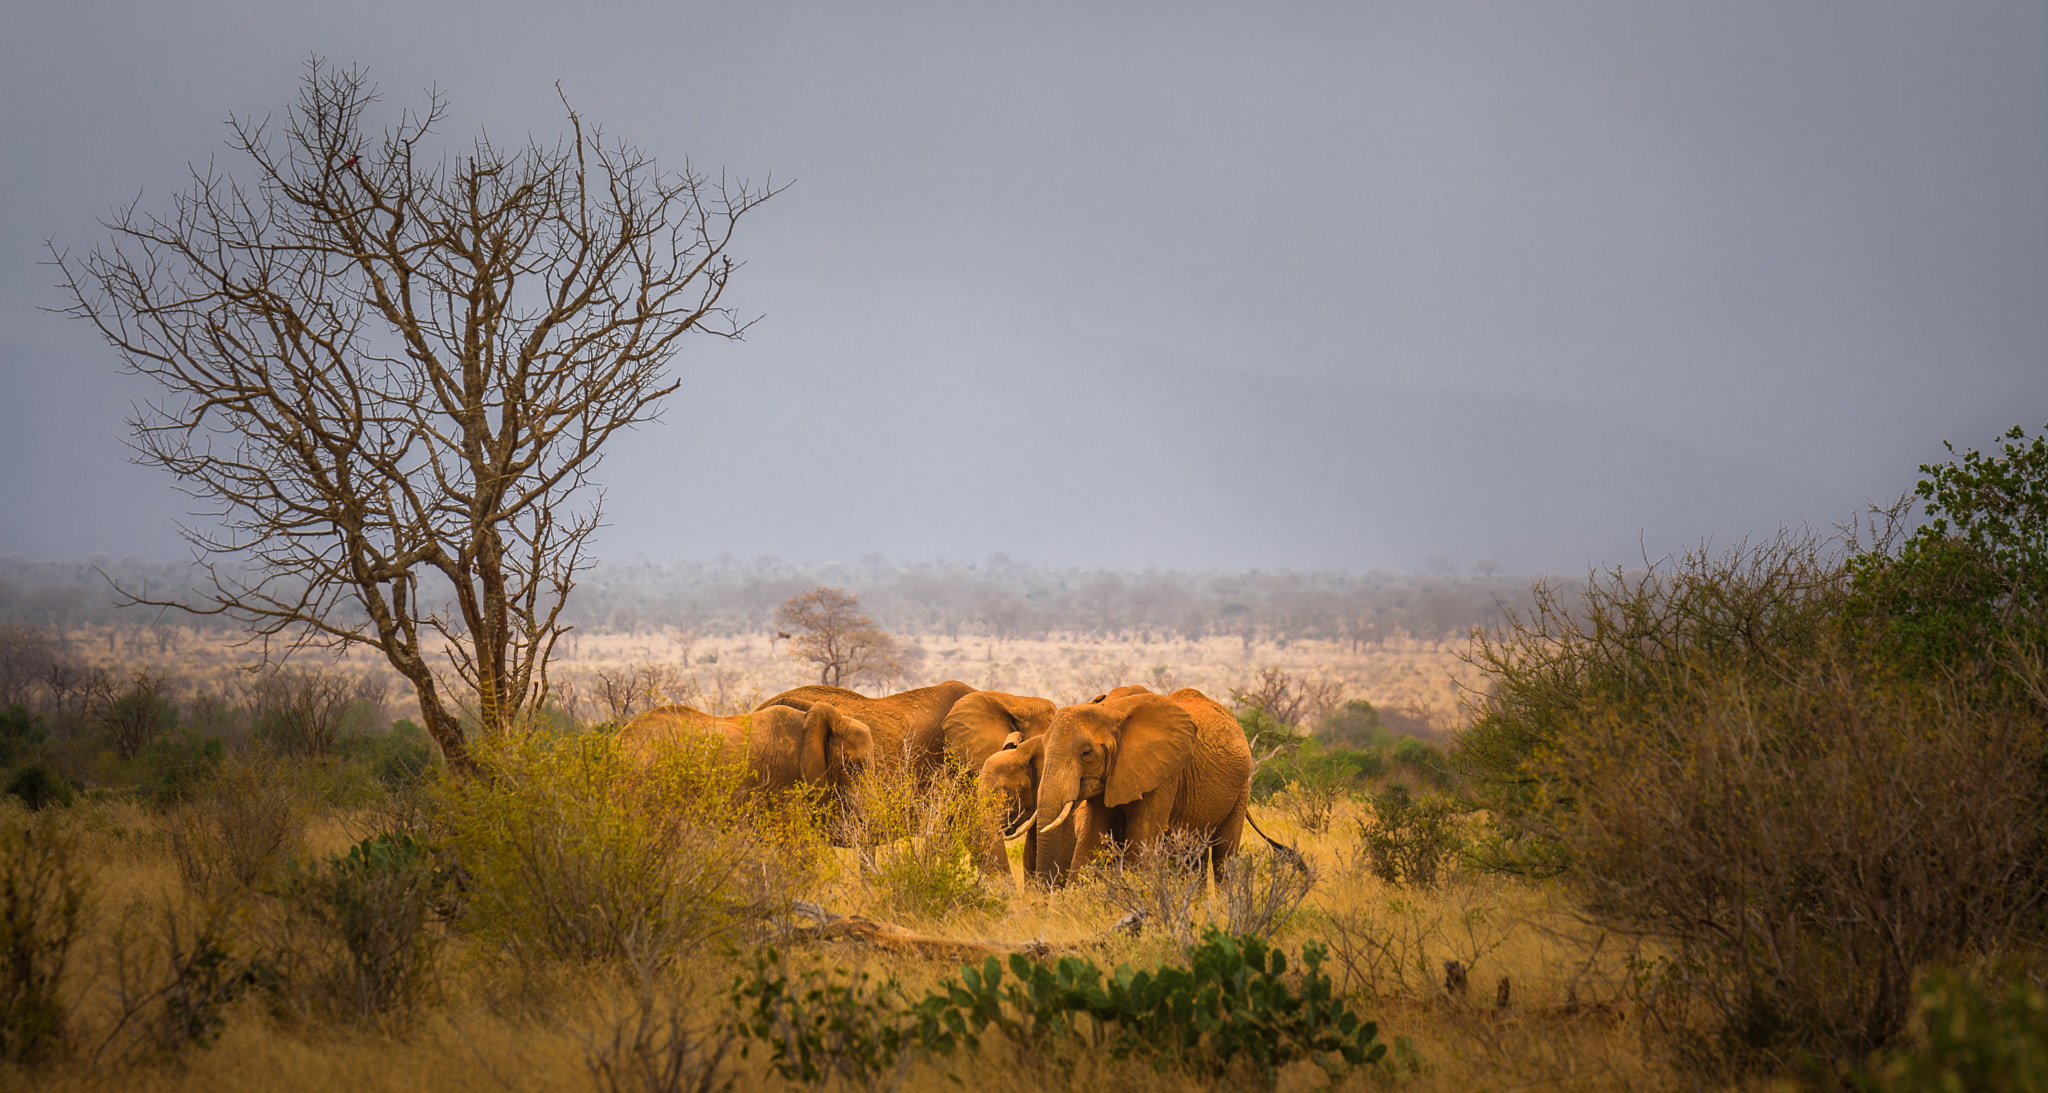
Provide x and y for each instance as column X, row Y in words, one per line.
column 999, row 599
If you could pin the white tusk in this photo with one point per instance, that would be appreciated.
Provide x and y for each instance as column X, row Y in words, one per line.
column 1015, row 738
column 1046, row 829
column 1018, row 831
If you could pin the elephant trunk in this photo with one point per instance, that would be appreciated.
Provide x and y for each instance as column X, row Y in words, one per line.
column 1059, row 786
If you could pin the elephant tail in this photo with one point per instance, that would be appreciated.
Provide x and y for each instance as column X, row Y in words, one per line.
column 1286, row 853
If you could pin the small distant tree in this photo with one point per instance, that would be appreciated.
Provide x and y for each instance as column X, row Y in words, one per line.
column 130, row 719
column 28, row 655
column 832, row 633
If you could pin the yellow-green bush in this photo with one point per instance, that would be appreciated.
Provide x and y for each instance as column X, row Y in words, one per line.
column 916, row 845
column 569, row 853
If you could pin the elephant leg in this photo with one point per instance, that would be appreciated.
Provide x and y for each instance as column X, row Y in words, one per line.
column 1224, row 841
column 1094, row 824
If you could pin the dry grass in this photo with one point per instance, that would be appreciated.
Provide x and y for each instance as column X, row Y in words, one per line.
column 1567, row 1025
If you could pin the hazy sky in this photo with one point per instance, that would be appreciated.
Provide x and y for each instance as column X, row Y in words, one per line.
column 1174, row 284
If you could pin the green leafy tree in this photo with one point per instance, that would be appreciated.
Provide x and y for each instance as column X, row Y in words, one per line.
column 1969, row 588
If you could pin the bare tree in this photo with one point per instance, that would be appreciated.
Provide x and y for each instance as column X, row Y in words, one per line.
column 1288, row 700
column 834, row 635
column 388, row 374
column 28, row 656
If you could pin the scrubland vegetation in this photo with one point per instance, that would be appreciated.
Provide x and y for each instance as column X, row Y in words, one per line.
column 1768, row 815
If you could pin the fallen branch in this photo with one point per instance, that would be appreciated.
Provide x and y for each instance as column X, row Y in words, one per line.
column 829, row 926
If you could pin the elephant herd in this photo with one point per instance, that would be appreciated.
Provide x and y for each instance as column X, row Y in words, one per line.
column 1127, row 767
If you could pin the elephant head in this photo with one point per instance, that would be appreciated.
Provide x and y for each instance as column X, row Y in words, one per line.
column 1117, row 750
column 1009, row 779
column 833, row 747
column 1125, row 691
column 986, row 722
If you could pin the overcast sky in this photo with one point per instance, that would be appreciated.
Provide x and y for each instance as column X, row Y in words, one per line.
column 1186, row 285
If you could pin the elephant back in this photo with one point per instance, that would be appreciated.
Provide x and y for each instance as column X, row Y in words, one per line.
column 907, row 727
column 643, row 738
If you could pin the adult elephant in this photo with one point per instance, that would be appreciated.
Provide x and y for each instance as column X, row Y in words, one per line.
column 781, row 745
column 908, row 728
column 1131, row 768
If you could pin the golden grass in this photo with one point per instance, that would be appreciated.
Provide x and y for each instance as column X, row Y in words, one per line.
column 1567, row 1026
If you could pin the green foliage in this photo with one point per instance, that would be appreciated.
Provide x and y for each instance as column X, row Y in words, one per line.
column 1232, row 1006
column 177, row 766
column 21, row 734
column 819, row 1025
column 376, row 901
column 1424, row 760
column 44, row 897
column 1408, row 839
column 1971, row 1038
column 1356, row 724
column 1973, row 580
column 1634, row 648
column 39, row 785
column 400, row 758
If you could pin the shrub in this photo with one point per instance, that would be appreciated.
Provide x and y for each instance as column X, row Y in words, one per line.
column 180, row 765
column 1260, row 889
column 307, row 713
column 917, row 847
column 400, row 758
column 38, row 786
column 1356, row 725
column 1971, row 584
column 820, row 1025
column 652, row 1050
column 1636, row 645
column 1160, row 883
column 1969, row 1037
column 1316, row 778
column 1408, row 839
column 21, row 734
column 376, row 900
column 176, row 976
column 45, row 891
column 242, row 827
column 1231, row 1006
column 572, row 857
column 1806, row 843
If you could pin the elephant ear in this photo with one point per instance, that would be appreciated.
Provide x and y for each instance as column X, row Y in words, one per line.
column 852, row 740
column 1155, row 740
column 980, row 724
column 819, row 724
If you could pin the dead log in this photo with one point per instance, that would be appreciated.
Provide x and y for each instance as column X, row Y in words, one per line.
column 826, row 925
